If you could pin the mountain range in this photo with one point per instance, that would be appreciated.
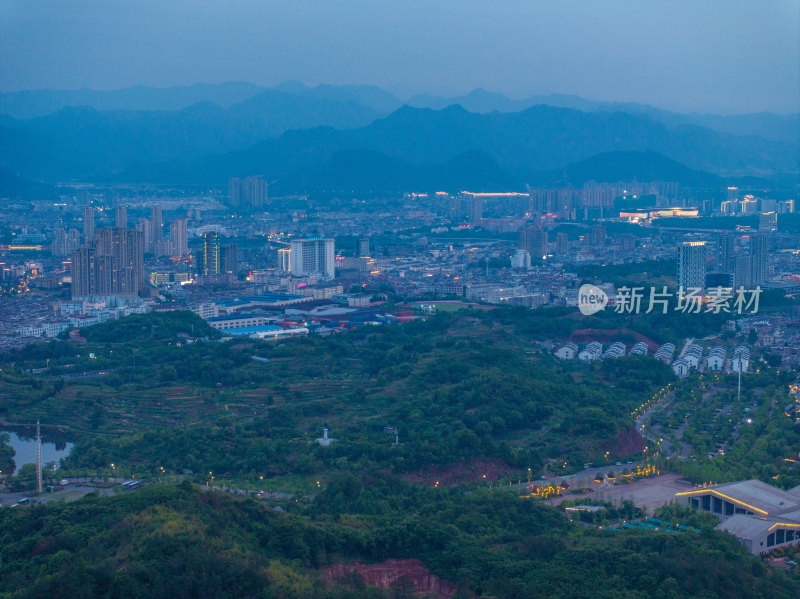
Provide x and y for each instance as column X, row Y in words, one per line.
column 421, row 147
column 347, row 137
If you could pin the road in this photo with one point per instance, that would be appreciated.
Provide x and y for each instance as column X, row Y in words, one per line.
column 70, row 493
column 588, row 474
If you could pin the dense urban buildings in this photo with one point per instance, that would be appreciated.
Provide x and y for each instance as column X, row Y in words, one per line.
column 250, row 192
column 111, row 265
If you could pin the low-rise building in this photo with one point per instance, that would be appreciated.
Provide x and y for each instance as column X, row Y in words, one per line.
column 238, row 321
column 693, row 355
column 592, row 351
column 681, row 368
column 716, row 358
column 761, row 516
column 665, row 353
column 568, row 351
column 615, row 350
column 741, row 359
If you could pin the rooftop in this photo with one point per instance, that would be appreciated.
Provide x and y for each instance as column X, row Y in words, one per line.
column 234, row 317
column 746, row 527
column 759, row 496
column 246, row 331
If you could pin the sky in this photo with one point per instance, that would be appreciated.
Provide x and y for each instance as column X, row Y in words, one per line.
column 704, row 55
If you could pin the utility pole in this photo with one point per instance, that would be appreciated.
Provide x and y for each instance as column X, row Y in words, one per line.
column 38, row 458
column 739, row 392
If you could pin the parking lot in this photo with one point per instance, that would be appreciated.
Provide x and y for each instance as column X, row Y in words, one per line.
column 650, row 493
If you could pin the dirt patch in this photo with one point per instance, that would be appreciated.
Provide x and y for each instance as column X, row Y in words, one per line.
column 404, row 574
column 629, row 442
column 459, row 473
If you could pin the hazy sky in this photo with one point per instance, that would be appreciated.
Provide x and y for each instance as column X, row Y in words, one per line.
column 731, row 55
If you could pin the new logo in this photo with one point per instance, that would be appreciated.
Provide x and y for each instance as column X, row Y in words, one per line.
column 591, row 299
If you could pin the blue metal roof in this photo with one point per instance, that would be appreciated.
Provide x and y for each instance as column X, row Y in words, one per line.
column 247, row 331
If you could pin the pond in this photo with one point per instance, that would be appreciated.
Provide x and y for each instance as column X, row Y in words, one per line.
column 26, row 450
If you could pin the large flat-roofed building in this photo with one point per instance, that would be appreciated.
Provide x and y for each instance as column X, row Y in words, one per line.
column 266, row 332
column 314, row 255
column 761, row 516
column 239, row 321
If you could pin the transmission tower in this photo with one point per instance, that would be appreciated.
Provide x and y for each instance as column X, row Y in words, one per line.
column 38, row 458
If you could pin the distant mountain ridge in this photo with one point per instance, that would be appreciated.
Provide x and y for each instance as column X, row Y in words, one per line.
column 613, row 167
column 776, row 127
column 518, row 147
column 292, row 131
column 12, row 186
column 36, row 103
column 82, row 142
column 41, row 102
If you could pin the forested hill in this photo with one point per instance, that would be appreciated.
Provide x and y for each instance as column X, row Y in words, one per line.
column 167, row 541
column 462, row 391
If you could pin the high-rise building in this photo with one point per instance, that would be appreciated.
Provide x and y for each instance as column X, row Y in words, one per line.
column 691, row 265
column 475, row 209
column 82, row 271
column 229, row 262
column 235, row 192
column 768, row 222
column 211, row 265
column 767, row 205
column 145, row 227
column 248, row 192
column 126, row 249
column 749, row 205
column 285, row 259
column 627, row 242
column 597, row 236
column 64, row 243
column 314, row 255
column 73, row 239
column 179, row 244
column 156, row 227
column 456, row 208
column 112, row 265
column 726, row 248
column 121, row 217
column 533, row 239
column 562, row 243
column 88, row 224
column 742, row 271
column 59, row 245
column 758, row 258
column 362, row 247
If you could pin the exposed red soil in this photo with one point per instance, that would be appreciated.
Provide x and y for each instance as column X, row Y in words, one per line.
column 458, row 473
column 393, row 573
column 628, row 442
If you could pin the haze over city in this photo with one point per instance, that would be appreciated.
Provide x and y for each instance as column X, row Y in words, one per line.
column 380, row 300
column 715, row 56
